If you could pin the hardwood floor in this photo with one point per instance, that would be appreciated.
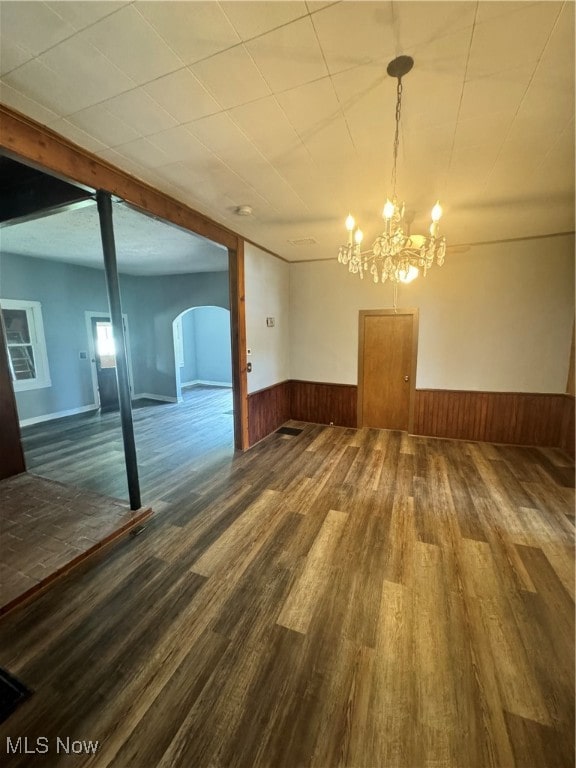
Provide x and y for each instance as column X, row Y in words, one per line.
column 173, row 441
column 337, row 598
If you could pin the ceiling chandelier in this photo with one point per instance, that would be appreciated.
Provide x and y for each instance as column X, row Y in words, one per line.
column 396, row 255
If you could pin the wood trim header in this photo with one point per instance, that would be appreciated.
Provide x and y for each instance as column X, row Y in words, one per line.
column 22, row 137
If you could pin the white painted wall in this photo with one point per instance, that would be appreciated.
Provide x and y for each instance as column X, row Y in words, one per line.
column 497, row 318
column 267, row 281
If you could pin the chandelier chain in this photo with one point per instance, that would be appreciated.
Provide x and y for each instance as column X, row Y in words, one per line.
column 396, row 134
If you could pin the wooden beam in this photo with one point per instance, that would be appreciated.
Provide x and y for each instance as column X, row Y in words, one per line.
column 39, row 145
column 238, row 332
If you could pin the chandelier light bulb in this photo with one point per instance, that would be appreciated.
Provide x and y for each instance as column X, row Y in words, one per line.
column 388, row 211
column 358, row 235
column 407, row 275
column 437, row 211
column 350, row 223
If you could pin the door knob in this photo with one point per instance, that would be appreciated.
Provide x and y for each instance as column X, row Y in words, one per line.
column 406, row 378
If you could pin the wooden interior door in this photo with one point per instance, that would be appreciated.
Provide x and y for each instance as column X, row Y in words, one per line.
column 387, row 349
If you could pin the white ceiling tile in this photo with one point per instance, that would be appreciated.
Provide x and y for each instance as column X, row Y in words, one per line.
column 143, row 152
column 183, row 96
column 33, row 25
column 529, row 27
column 317, row 5
column 12, row 55
column 368, row 103
column 123, row 162
column 355, row 33
column 84, row 69
column 16, row 99
column 560, row 50
column 231, row 77
column 253, row 18
column 194, row 30
column 39, row 83
column 80, row 13
column 488, row 11
column 557, row 164
column 442, row 57
column 98, row 122
column 420, row 23
column 85, row 140
column 498, row 93
column 266, row 124
column 139, row 110
column 133, row 46
column 429, row 99
column 330, row 141
column 487, row 129
column 223, row 137
column 179, row 145
column 311, row 106
column 289, row 56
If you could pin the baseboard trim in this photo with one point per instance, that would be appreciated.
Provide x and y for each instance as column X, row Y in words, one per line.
column 206, row 383
column 151, row 396
column 57, row 415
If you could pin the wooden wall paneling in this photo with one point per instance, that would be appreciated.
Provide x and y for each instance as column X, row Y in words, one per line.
column 238, row 340
column 500, row 417
column 268, row 409
column 570, row 386
column 324, row 403
column 11, row 454
column 567, row 436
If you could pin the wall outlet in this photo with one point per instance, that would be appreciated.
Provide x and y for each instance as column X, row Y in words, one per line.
column 270, row 322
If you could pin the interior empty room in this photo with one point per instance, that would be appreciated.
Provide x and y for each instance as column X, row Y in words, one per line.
column 287, row 383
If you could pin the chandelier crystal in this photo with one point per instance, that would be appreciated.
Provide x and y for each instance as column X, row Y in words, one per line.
column 396, row 255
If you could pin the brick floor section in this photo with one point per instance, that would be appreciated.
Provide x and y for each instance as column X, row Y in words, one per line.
column 47, row 527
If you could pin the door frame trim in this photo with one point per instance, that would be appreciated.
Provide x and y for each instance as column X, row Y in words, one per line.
column 89, row 315
column 363, row 313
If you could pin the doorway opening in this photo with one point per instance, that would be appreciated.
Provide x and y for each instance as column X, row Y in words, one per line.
column 102, row 355
column 203, row 372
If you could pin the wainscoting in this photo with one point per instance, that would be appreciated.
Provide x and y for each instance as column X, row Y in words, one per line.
column 268, row 409
column 323, row 403
column 315, row 402
column 517, row 418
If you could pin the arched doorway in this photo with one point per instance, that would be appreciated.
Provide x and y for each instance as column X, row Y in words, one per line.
column 203, row 373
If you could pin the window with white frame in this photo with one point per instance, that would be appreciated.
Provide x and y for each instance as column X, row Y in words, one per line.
column 27, row 355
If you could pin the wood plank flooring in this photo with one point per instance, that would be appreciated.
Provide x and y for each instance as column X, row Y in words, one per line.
column 343, row 597
column 173, row 441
